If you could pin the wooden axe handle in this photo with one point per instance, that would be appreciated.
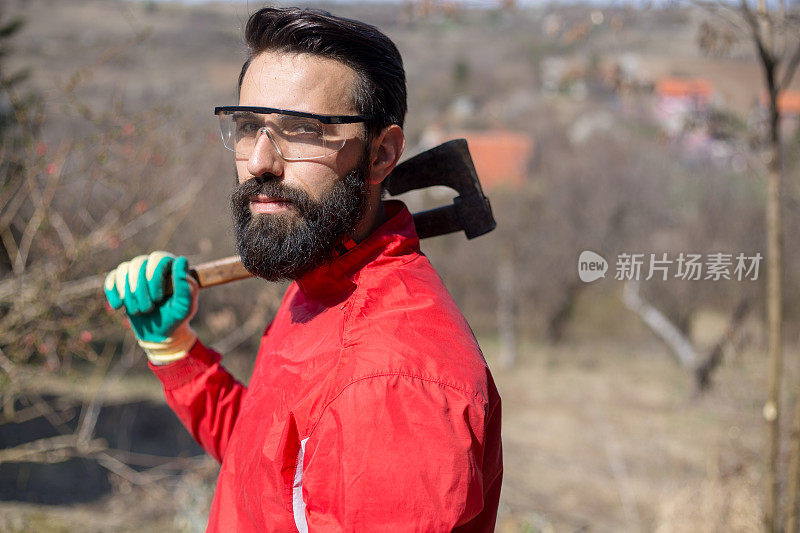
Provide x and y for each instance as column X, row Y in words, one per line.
column 219, row 271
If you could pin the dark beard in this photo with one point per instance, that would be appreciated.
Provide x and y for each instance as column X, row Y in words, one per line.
column 286, row 246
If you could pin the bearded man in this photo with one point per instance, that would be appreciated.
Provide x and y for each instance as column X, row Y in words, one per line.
column 370, row 407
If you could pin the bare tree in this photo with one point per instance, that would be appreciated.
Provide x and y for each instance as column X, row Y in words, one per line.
column 68, row 210
column 772, row 28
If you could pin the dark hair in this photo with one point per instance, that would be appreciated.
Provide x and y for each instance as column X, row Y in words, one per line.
column 381, row 88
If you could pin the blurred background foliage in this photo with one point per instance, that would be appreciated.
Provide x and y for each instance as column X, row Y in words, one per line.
column 110, row 150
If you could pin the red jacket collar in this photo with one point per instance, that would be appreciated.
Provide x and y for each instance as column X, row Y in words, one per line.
column 397, row 236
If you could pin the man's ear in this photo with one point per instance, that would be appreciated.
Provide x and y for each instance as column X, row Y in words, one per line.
column 386, row 150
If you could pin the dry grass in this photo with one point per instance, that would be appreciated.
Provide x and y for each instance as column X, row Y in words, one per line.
column 603, row 437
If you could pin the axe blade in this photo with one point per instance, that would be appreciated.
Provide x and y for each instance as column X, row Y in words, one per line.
column 450, row 165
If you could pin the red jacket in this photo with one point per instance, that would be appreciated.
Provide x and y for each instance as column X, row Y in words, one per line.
column 370, row 407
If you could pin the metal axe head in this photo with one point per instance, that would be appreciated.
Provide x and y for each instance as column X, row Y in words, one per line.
column 448, row 164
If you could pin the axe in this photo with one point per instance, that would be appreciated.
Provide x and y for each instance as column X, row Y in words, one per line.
column 448, row 164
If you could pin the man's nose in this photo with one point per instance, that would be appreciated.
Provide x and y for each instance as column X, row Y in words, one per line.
column 265, row 158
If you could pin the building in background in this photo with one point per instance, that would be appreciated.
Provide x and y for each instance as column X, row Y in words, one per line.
column 683, row 105
column 502, row 157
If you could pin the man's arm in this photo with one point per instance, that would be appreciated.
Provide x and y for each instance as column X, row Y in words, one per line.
column 203, row 394
column 401, row 453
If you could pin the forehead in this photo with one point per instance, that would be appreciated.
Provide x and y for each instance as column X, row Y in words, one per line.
column 301, row 82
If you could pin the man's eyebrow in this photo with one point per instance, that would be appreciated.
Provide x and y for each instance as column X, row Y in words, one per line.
column 243, row 114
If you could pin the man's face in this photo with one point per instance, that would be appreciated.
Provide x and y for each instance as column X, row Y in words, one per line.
column 288, row 215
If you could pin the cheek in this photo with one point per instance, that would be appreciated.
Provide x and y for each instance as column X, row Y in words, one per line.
column 351, row 155
column 241, row 171
column 313, row 178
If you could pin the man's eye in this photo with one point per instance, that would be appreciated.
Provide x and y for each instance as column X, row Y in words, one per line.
column 301, row 128
column 248, row 128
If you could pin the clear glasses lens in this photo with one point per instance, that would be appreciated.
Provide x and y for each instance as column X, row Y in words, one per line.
column 294, row 138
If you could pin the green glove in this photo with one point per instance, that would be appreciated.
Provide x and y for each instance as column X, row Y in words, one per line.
column 161, row 323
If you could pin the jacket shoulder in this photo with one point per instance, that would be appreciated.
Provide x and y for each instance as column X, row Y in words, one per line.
column 403, row 320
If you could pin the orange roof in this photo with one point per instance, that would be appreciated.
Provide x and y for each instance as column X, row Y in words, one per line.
column 679, row 87
column 788, row 102
column 500, row 156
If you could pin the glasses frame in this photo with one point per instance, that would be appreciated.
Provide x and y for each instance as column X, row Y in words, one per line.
column 325, row 119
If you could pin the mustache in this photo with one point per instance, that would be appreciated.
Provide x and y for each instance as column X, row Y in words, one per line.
column 272, row 187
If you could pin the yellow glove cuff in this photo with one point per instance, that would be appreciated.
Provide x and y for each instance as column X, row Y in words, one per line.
column 172, row 348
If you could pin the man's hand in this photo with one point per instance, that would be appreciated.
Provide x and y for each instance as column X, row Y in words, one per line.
column 161, row 323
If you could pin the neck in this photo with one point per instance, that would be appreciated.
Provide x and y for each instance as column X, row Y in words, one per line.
column 373, row 218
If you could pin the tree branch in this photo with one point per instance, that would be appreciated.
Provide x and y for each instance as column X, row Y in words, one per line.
column 49, row 450
column 790, row 69
column 724, row 12
column 704, row 370
column 660, row 325
column 755, row 30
